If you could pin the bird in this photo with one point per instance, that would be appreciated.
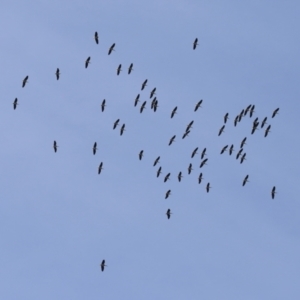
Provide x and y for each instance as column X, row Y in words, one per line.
column 243, row 158
column 247, row 109
column 167, row 177
column 179, row 176
column 158, row 172
column 15, row 103
column 55, row 146
column 143, row 107
column 252, row 110
column 239, row 153
column 273, row 192
column 254, row 127
column 168, row 193
column 144, row 84
column 173, row 112
column 243, row 142
column 226, row 118
column 57, row 73
column 95, row 148
column 168, row 213
column 186, row 134
column 122, row 129
column 103, row 265
column 203, row 162
column 141, row 154
column 103, row 105
column 267, row 130
column 195, row 44
column 96, row 38
column 172, row 140
column 189, row 126
column 190, row 168
column 156, row 161
column 221, row 130
column 264, row 122
column 245, row 180
column 100, row 167
column 224, row 149
column 231, row 149
column 25, row 81
column 111, row 49
column 87, row 62
column 200, row 178
column 236, row 120
column 136, row 100
column 194, row 152
column 203, row 153
column 116, row 124
column 152, row 93
column 130, row 68
column 198, row 105
column 119, row 69
column 155, row 105
column 275, row 112
column 208, row 187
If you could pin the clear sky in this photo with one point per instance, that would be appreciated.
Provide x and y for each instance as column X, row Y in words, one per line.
column 59, row 219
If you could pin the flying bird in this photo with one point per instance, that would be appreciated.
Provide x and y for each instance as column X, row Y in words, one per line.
column 203, row 153
column 96, row 38
column 190, row 168
column 275, row 112
column 103, row 265
column 221, row 130
column 245, row 180
column 130, row 68
column 189, row 126
column 273, row 192
column 264, row 122
column 156, row 161
column 100, row 167
column 103, row 105
column 122, row 129
column 186, row 134
column 208, row 187
column 15, row 103
column 198, row 105
column 203, row 162
column 236, row 120
column 231, row 149
column 173, row 112
column 247, row 109
column 194, row 152
column 243, row 158
column 55, row 146
column 153, row 103
column 239, row 153
column 172, row 140
column 252, row 110
column 87, row 62
column 136, row 100
column 167, row 177
column 143, row 107
column 141, row 154
column 195, row 44
column 224, row 149
column 25, row 81
column 95, row 148
column 200, row 178
column 116, row 124
column 267, row 130
column 179, row 176
column 152, row 93
column 168, row 213
column 119, row 69
column 57, row 73
column 243, row 142
column 144, row 84
column 155, row 106
column 111, row 49
column 168, row 193
column 226, row 118
column 158, row 172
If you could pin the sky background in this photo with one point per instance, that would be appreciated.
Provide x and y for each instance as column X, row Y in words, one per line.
column 59, row 218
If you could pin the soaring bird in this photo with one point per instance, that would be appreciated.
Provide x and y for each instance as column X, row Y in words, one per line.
column 144, row 84
column 189, row 126
column 226, row 118
column 236, row 120
column 158, row 172
column 221, row 130
column 153, row 103
column 243, row 158
column 168, row 193
column 243, row 142
column 111, row 49
column 167, row 177
column 57, row 73
column 119, row 69
column 172, row 140
column 231, row 149
column 247, row 109
column 208, row 187
column 173, row 112
column 136, row 101
column 95, row 148
column 103, row 265
column 190, row 168
column 168, row 213
column 254, row 127
column 122, row 129
column 245, row 180
column 195, row 44
column 116, row 124
column 130, row 68
column 239, row 153
column 203, row 153
column 179, row 176
column 15, row 103
column 103, row 105
column 224, row 149
column 264, row 122
column 200, row 178
column 155, row 106
column 194, row 152
column 252, row 110
column 25, row 81
column 267, row 130
column 96, row 38
column 55, row 146
column 141, row 154
column 186, row 134
column 100, row 167
column 198, row 105
column 156, row 161
column 87, row 62
column 152, row 93
column 275, row 112
column 203, row 162
column 143, row 106
column 273, row 192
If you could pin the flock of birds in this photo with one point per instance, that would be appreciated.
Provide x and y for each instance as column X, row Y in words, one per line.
column 154, row 105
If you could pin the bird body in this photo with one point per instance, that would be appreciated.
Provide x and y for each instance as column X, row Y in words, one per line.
column 143, row 106
column 179, row 176
column 116, row 124
column 273, row 192
column 172, row 140
column 168, row 193
column 167, row 177
column 144, row 84
column 226, row 117
column 203, row 153
column 87, row 62
column 136, row 100
column 264, row 122
column 224, row 149
column 103, row 105
column 168, row 213
column 152, row 93
column 195, row 43
column 267, row 130
column 203, row 162
column 200, row 178
column 198, row 105
column 173, row 112
column 186, row 134
column 15, row 103
column 119, row 69
column 221, row 130
column 57, row 73
column 95, row 148
column 25, row 81
column 96, row 37
column 55, row 146
column 275, row 112
column 100, row 167
column 156, row 161
column 158, row 172
column 243, row 158
column 130, row 68
column 243, row 142
column 194, row 152
column 208, row 187
column 122, row 129
column 103, row 265
column 231, row 149
column 190, row 168
column 141, row 154
column 111, row 49
column 245, row 180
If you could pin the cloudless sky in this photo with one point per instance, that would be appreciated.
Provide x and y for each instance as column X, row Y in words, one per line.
column 59, row 219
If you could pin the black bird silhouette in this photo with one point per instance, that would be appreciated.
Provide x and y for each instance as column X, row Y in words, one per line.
column 152, row 93
column 158, row 172
column 122, row 129
column 275, row 112
column 203, row 162
column 103, row 265
column 239, row 153
column 57, row 73
column 189, row 126
column 226, row 117
column 168, row 193
column 103, row 105
column 116, row 124
column 252, row 110
column 173, row 112
column 15, row 103
column 55, row 146
column 130, row 68
column 141, row 154
column 264, row 122
column 111, row 49
column 243, row 158
column 224, row 149
column 156, row 161
column 95, row 148
column 119, row 69
column 247, row 109
column 87, row 62
column 168, row 213
column 241, row 115
column 267, row 130
column 273, row 192
column 231, row 149
column 195, row 44
column 203, row 153
column 198, row 105
column 153, row 103
column 136, row 100
column 200, row 178
column 245, row 180
column 254, row 127
column 208, row 187
column 179, row 176
column 155, row 106
column 167, row 177
column 221, row 130
column 143, row 107
column 172, row 140
column 100, row 167
column 236, row 120
column 243, row 142
column 190, row 168
column 96, row 38
column 194, row 152
column 186, row 134
column 144, row 84
column 25, row 81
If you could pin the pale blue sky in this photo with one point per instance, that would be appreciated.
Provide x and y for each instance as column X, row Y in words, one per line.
column 59, row 218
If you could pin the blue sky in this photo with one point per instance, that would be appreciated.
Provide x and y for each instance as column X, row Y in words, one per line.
column 59, row 218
